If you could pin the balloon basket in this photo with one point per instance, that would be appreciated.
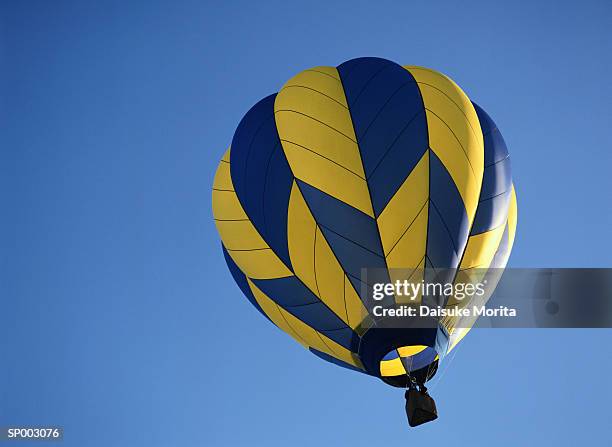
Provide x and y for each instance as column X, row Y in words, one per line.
column 420, row 407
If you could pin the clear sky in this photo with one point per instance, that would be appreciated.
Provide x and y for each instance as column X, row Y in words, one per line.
column 118, row 318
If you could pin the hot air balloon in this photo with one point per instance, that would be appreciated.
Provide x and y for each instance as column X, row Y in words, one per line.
column 369, row 164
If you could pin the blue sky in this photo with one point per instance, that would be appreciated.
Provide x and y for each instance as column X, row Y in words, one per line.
column 118, row 318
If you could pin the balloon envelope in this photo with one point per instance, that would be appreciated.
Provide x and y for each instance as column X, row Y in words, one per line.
column 366, row 165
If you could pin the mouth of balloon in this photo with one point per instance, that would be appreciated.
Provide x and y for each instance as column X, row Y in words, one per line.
column 403, row 360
